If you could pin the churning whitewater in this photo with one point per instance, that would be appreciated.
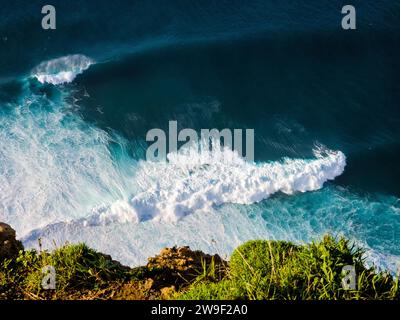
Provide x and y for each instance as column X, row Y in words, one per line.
column 62, row 70
column 191, row 181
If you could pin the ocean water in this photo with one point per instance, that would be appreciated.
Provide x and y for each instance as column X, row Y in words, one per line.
column 76, row 104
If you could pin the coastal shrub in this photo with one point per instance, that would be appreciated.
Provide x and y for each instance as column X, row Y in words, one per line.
column 77, row 268
column 256, row 266
column 13, row 274
column 320, row 267
column 261, row 269
column 260, row 256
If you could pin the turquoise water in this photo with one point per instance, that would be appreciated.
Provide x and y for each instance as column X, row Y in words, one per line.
column 72, row 164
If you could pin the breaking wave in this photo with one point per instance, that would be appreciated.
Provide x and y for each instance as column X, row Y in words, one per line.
column 191, row 181
column 61, row 70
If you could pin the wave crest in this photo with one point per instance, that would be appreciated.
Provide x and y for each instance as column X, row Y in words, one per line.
column 174, row 189
column 62, row 70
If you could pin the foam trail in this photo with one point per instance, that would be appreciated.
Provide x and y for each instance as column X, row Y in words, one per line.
column 191, row 181
column 62, row 70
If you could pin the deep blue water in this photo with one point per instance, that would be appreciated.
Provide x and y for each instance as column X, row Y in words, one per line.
column 284, row 68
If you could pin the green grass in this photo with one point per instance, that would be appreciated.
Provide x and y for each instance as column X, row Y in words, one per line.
column 258, row 269
column 263, row 269
column 78, row 268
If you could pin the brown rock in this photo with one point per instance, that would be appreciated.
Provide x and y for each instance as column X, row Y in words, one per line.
column 148, row 284
column 9, row 245
column 167, row 292
column 179, row 266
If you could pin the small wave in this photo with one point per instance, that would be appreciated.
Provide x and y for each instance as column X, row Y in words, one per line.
column 189, row 182
column 61, row 70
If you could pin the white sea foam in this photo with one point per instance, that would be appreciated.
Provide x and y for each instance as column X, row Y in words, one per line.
column 191, row 181
column 53, row 166
column 62, row 70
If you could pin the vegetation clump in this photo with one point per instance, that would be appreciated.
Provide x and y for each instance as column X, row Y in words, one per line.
column 258, row 269
column 263, row 269
column 79, row 270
